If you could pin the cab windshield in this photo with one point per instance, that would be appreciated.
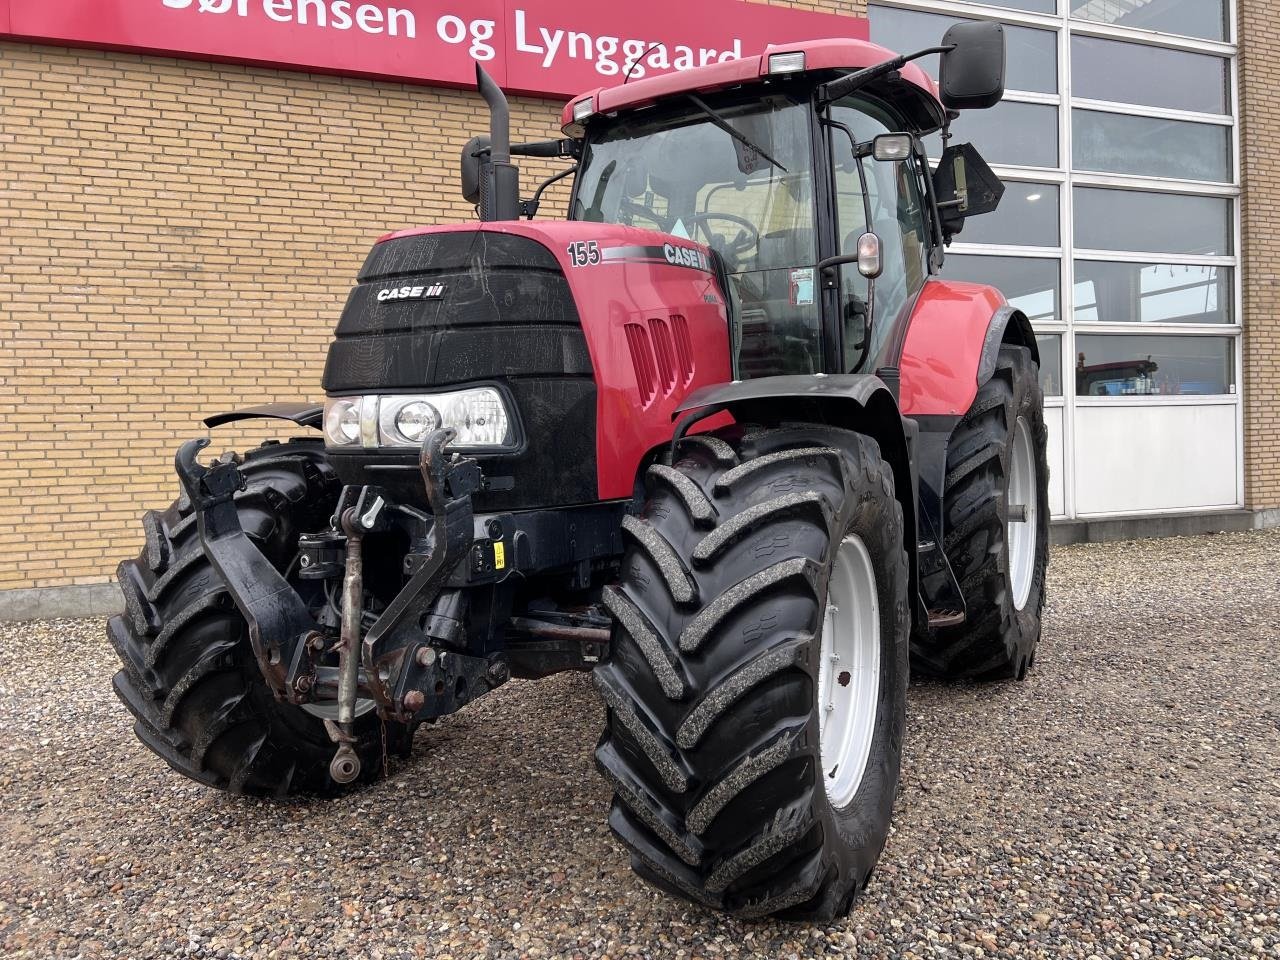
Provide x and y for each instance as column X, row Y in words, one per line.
column 681, row 173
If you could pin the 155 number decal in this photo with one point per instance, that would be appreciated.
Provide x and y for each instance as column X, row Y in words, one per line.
column 585, row 253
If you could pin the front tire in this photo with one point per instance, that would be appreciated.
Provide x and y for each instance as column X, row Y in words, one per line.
column 190, row 678
column 716, row 743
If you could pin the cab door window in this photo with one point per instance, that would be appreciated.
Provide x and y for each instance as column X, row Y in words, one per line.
column 870, row 310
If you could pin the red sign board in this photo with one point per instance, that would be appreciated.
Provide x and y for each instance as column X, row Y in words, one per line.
column 539, row 47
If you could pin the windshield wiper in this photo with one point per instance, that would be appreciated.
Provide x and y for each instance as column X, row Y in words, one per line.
column 727, row 127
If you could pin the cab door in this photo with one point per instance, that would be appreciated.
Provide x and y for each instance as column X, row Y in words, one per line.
column 885, row 198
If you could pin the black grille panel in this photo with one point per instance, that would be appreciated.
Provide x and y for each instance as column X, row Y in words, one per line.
column 505, row 313
column 505, row 310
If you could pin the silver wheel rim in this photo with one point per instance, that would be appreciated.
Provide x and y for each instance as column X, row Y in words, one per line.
column 1020, row 532
column 849, row 674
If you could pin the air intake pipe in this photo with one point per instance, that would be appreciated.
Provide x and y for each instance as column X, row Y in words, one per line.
column 499, row 177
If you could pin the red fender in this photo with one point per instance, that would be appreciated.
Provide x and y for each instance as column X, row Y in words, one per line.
column 941, row 363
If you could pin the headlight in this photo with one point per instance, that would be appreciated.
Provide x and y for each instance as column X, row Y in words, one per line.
column 406, row 420
column 480, row 416
column 342, row 421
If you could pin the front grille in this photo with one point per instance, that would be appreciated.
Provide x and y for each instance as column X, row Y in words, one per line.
column 504, row 309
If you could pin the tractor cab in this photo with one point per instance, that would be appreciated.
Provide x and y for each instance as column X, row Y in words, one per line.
column 805, row 173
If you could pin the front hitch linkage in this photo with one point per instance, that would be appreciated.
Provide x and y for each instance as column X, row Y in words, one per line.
column 285, row 637
column 449, row 483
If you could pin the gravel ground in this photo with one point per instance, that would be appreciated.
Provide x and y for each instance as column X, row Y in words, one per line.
column 1122, row 802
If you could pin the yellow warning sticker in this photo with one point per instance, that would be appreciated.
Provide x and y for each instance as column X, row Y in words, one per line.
column 499, row 556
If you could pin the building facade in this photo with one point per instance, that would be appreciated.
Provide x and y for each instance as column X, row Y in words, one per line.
column 1120, row 236
column 177, row 237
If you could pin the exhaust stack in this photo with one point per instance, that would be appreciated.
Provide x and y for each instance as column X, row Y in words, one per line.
column 499, row 177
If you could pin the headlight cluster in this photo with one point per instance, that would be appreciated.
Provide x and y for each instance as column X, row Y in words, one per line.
column 479, row 415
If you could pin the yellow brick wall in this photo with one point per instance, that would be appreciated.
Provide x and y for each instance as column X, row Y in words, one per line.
column 1259, row 127
column 177, row 238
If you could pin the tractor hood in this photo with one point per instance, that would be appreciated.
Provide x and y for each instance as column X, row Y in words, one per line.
column 438, row 306
column 595, row 331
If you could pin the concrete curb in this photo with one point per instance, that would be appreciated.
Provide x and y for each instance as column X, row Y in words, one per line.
column 46, row 603
column 103, row 599
column 1067, row 532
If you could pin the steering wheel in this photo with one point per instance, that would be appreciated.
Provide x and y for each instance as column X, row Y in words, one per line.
column 632, row 207
column 747, row 239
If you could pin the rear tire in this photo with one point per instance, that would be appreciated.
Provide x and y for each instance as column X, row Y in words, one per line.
column 1000, row 566
column 713, row 740
column 190, row 678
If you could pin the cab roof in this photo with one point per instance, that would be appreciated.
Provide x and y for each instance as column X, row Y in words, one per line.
column 919, row 93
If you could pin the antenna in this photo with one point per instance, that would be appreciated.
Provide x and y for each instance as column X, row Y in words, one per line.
column 636, row 62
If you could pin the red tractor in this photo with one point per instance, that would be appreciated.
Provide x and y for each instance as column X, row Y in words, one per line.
column 723, row 438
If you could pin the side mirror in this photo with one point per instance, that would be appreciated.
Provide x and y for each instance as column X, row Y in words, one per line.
column 471, row 168
column 870, row 262
column 964, row 186
column 972, row 75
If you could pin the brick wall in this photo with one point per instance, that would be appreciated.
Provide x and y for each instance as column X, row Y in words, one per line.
column 177, row 238
column 1259, row 128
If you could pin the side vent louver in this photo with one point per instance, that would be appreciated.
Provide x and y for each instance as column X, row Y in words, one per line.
column 666, row 354
column 684, row 348
column 642, row 359
column 662, row 355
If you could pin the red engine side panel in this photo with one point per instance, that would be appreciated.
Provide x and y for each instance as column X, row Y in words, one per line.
column 655, row 324
column 939, row 366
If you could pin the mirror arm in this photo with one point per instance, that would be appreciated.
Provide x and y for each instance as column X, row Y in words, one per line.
column 530, row 207
column 827, row 269
column 838, row 89
column 862, row 173
column 550, row 149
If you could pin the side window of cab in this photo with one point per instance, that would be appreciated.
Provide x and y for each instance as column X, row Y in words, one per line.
column 897, row 216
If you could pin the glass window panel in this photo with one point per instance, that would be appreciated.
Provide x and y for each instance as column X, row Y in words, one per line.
column 1050, row 364
column 1110, row 365
column 1035, row 6
column 1030, row 284
column 1192, row 18
column 1146, row 75
column 1027, row 217
column 1152, row 222
column 1152, row 293
column 1150, row 147
column 1031, row 55
column 1017, row 134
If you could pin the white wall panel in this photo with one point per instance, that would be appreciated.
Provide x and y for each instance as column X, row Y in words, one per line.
column 1135, row 459
column 1057, row 462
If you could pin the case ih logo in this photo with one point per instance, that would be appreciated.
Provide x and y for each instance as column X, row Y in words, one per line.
column 432, row 292
column 539, row 47
column 686, row 257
